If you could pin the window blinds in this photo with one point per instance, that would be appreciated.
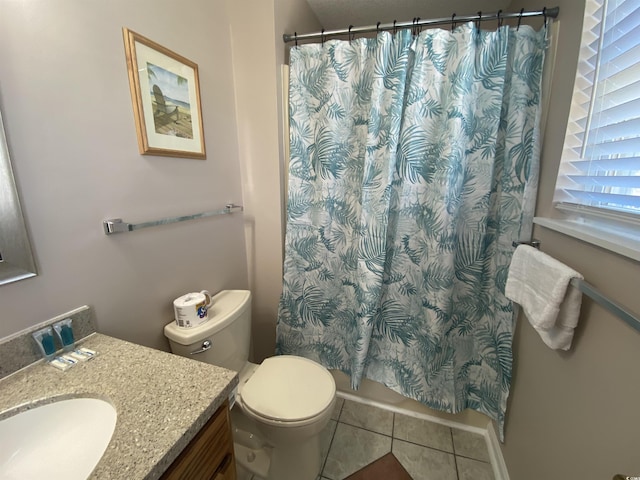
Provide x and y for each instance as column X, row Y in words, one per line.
column 601, row 157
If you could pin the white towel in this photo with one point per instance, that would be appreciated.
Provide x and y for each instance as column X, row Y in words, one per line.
column 541, row 285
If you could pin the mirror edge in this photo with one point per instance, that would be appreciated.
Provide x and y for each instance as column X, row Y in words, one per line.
column 17, row 258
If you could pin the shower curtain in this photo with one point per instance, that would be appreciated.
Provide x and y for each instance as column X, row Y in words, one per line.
column 413, row 168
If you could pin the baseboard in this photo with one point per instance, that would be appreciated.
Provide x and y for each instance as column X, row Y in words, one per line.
column 500, row 471
column 412, row 413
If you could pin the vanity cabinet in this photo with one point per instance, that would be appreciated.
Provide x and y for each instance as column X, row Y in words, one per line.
column 209, row 456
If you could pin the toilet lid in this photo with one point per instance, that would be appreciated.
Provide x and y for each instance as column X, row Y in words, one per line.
column 288, row 389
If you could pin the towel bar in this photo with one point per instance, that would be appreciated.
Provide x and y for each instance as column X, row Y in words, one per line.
column 620, row 311
column 116, row 225
column 533, row 243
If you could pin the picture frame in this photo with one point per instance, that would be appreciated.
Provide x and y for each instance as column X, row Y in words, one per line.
column 165, row 93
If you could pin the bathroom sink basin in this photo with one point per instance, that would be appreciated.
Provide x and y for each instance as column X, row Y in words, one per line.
column 60, row 440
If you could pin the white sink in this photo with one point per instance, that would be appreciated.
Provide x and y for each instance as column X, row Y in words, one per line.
column 60, row 440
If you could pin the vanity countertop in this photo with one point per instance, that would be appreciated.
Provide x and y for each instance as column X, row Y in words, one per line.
column 162, row 400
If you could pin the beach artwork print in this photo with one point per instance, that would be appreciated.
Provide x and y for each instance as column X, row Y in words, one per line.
column 165, row 94
column 170, row 98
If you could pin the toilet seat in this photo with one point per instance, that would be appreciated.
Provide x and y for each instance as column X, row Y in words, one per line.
column 288, row 388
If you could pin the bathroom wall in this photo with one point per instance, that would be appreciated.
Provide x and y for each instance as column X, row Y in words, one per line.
column 64, row 94
column 575, row 414
column 258, row 53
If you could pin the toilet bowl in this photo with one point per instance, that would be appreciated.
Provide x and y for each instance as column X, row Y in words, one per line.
column 281, row 406
column 288, row 400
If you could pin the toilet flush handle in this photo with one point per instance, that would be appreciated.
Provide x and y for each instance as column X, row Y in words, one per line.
column 206, row 345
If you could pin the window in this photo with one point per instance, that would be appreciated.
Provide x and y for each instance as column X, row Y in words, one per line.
column 598, row 187
column 600, row 169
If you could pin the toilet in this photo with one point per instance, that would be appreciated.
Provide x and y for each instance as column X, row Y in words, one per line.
column 281, row 406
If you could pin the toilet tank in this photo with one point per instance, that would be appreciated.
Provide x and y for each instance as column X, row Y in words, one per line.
column 222, row 340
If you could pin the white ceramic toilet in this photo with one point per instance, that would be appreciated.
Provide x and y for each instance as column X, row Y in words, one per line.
column 281, row 405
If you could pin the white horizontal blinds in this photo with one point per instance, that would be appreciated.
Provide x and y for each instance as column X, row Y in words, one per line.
column 601, row 158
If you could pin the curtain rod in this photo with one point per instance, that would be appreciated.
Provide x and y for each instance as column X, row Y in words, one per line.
column 548, row 12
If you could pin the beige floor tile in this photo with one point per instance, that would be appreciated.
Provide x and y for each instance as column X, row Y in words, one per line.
column 469, row 469
column 325, row 439
column 471, row 445
column 367, row 417
column 424, row 463
column 423, row 432
column 353, row 448
column 337, row 408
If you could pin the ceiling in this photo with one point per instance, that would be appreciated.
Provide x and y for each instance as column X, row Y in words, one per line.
column 337, row 14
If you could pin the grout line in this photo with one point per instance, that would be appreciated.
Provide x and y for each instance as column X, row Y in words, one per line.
column 333, row 436
column 367, row 429
column 393, row 425
column 453, row 442
column 472, row 458
column 455, row 457
column 455, row 461
column 423, row 446
column 393, row 431
column 339, row 412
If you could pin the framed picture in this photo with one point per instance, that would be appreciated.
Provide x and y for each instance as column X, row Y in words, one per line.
column 166, row 99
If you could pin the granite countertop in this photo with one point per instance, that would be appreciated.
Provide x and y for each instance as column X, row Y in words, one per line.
column 162, row 401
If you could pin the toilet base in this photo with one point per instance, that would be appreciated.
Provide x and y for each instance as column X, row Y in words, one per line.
column 293, row 461
column 243, row 474
column 253, row 461
column 296, row 462
column 300, row 462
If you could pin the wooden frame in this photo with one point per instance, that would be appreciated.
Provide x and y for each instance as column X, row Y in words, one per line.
column 165, row 93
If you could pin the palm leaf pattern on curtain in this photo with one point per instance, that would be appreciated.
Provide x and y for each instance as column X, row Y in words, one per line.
column 413, row 167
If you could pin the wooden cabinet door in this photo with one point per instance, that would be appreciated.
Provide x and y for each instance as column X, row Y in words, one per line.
column 227, row 470
column 209, row 454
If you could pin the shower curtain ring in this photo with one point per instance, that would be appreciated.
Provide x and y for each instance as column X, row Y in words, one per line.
column 350, row 36
column 418, row 26
column 296, row 35
column 453, row 23
column 413, row 26
column 520, row 19
column 394, row 27
column 378, row 27
column 322, row 36
column 544, row 14
column 478, row 21
column 500, row 19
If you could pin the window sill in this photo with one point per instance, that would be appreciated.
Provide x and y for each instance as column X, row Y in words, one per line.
column 623, row 241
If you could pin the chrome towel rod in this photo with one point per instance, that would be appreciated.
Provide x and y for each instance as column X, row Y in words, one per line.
column 596, row 295
column 547, row 12
column 116, row 225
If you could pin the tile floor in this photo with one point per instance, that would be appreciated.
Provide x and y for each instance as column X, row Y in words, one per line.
column 359, row 434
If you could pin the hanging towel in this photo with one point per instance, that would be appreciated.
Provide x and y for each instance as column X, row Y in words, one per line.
column 541, row 285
